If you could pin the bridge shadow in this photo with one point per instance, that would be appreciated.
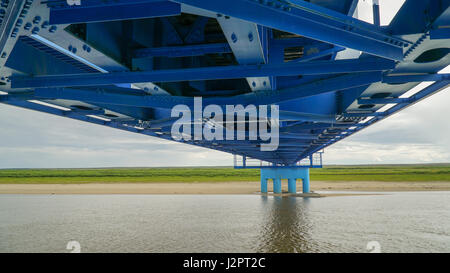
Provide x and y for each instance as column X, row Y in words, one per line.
column 287, row 227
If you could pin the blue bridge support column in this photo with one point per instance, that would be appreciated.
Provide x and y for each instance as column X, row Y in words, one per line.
column 292, row 185
column 263, row 184
column 306, row 181
column 277, row 185
column 289, row 173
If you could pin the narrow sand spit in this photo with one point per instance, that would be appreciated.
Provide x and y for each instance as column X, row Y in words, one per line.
column 214, row 187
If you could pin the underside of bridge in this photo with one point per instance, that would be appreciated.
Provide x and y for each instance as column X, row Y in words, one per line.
column 126, row 63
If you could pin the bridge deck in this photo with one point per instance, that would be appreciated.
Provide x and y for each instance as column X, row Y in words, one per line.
column 126, row 63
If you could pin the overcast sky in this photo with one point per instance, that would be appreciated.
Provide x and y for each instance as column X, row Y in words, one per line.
column 29, row 139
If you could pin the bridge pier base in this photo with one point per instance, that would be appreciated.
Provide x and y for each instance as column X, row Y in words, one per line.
column 291, row 174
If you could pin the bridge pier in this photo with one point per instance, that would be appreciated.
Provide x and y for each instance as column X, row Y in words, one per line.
column 306, row 182
column 291, row 174
column 292, row 185
column 263, row 184
column 276, row 185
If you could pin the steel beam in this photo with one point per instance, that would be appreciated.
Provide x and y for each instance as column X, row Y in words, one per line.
column 182, row 51
column 78, row 116
column 197, row 32
column 283, row 115
column 312, row 21
column 364, row 114
column 376, row 12
column 295, row 116
column 113, row 10
column 440, row 33
column 98, row 112
column 399, row 79
column 17, row 96
column 207, row 73
column 111, row 96
column 321, row 54
column 8, row 21
column 91, row 59
column 384, row 101
column 298, row 137
column 312, row 126
column 426, row 92
column 248, row 48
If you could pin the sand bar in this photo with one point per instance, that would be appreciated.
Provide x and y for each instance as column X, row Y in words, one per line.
column 213, row 187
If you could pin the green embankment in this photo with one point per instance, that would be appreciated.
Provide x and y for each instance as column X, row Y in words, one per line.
column 407, row 173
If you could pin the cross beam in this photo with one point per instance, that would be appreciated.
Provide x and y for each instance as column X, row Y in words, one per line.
column 205, row 73
column 112, row 96
column 182, row 51
column 311, row 21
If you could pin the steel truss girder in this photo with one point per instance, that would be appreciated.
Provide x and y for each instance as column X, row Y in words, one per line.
column 207, row 73
column 426, row 92
column 283, row 116
column 117, row 125
column 13, row 10
column 312, row 21
column 107, row 96
column 312, row 129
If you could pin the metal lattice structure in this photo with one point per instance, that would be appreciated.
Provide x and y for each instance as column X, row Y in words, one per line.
column 126, row 63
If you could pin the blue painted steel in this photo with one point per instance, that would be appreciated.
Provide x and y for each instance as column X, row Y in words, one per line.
column 249, row 47
column 166, row 54
column 432, row 89
column 394, row 79
column 209, row 73
column 291, row 174
column 321, row 54
column 183, row 51
column 312, row 21
column 101, row 11
column 440, row 33
column 376, row 12
column 107, row 96
column 384, row 101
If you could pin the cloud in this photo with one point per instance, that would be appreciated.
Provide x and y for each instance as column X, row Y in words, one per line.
column 418, row 134
column 30, row 139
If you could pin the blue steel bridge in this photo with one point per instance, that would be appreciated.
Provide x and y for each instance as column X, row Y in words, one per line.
column 126, row 63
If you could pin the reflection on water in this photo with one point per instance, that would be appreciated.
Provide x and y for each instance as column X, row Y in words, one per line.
column 401, row 222
column 286, row 227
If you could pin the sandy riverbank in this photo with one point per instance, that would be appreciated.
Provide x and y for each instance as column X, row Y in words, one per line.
column 212, row 188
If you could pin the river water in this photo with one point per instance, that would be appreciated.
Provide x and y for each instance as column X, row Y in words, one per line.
column 398, row 222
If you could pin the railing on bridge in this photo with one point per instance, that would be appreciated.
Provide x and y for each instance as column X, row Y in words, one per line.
column 244, row 162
